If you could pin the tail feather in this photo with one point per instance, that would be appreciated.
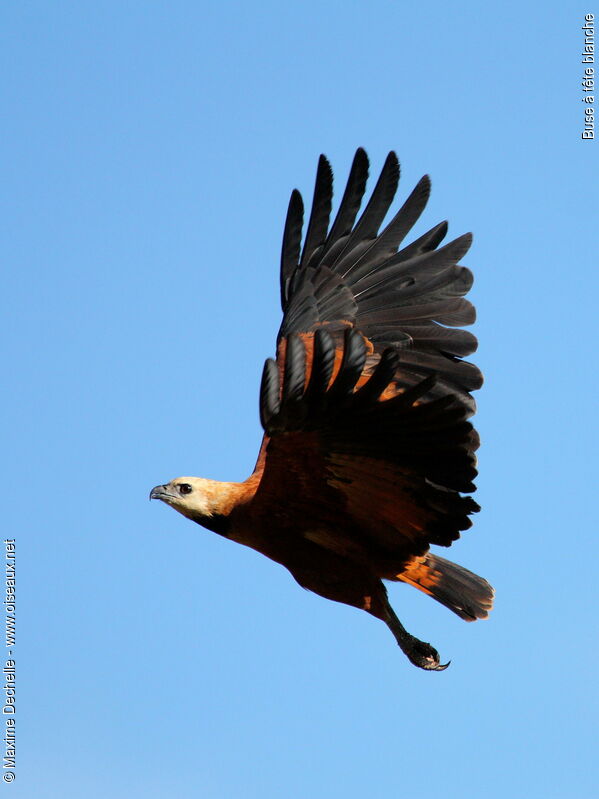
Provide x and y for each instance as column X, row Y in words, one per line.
column 460, row 590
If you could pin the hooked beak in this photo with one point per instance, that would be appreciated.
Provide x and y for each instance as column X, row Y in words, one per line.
column 160, row 492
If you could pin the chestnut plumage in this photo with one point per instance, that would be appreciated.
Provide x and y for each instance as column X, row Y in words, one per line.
column 368, row 453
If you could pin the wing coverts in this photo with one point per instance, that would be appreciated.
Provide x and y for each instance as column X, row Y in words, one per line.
column 361, row 416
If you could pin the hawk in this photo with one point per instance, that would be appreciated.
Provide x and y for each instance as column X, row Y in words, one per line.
column 368, row 454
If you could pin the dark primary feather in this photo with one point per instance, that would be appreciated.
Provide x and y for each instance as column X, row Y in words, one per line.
column 321, row 211
column 403, row 276
column 408, row 298
column 385, row 245
column 292, row 241
column 368, row 224
column 428, row 241
column 348, row 209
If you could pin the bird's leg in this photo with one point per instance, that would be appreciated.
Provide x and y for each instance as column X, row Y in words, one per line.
column 418, row 652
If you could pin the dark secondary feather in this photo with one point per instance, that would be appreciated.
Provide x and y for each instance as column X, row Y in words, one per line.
column 370, row 434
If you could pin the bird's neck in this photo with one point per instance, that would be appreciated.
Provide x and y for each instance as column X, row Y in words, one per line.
column 217, row 502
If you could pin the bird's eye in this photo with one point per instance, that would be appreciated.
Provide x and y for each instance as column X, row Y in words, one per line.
column 184, row 488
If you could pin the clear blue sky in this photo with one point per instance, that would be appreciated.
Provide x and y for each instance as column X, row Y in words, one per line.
column 150, row 149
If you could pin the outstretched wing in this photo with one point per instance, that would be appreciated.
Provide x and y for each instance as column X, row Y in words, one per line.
column 410, row 298
column 367, row 447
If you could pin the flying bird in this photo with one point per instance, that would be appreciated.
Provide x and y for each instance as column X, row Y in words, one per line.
column 368, row 455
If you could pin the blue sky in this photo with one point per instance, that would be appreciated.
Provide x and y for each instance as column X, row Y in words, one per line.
column 150, row 152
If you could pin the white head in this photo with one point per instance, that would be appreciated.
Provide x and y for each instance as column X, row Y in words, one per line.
column 194, row 497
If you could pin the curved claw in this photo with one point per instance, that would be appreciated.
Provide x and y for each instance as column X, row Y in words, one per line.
column 425, row 656
column 418, row 652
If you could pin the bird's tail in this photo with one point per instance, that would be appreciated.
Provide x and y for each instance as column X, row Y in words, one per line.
column 467, row 594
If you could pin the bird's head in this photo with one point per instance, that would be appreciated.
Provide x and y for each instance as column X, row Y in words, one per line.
column 207, row 502
column 194, row 497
